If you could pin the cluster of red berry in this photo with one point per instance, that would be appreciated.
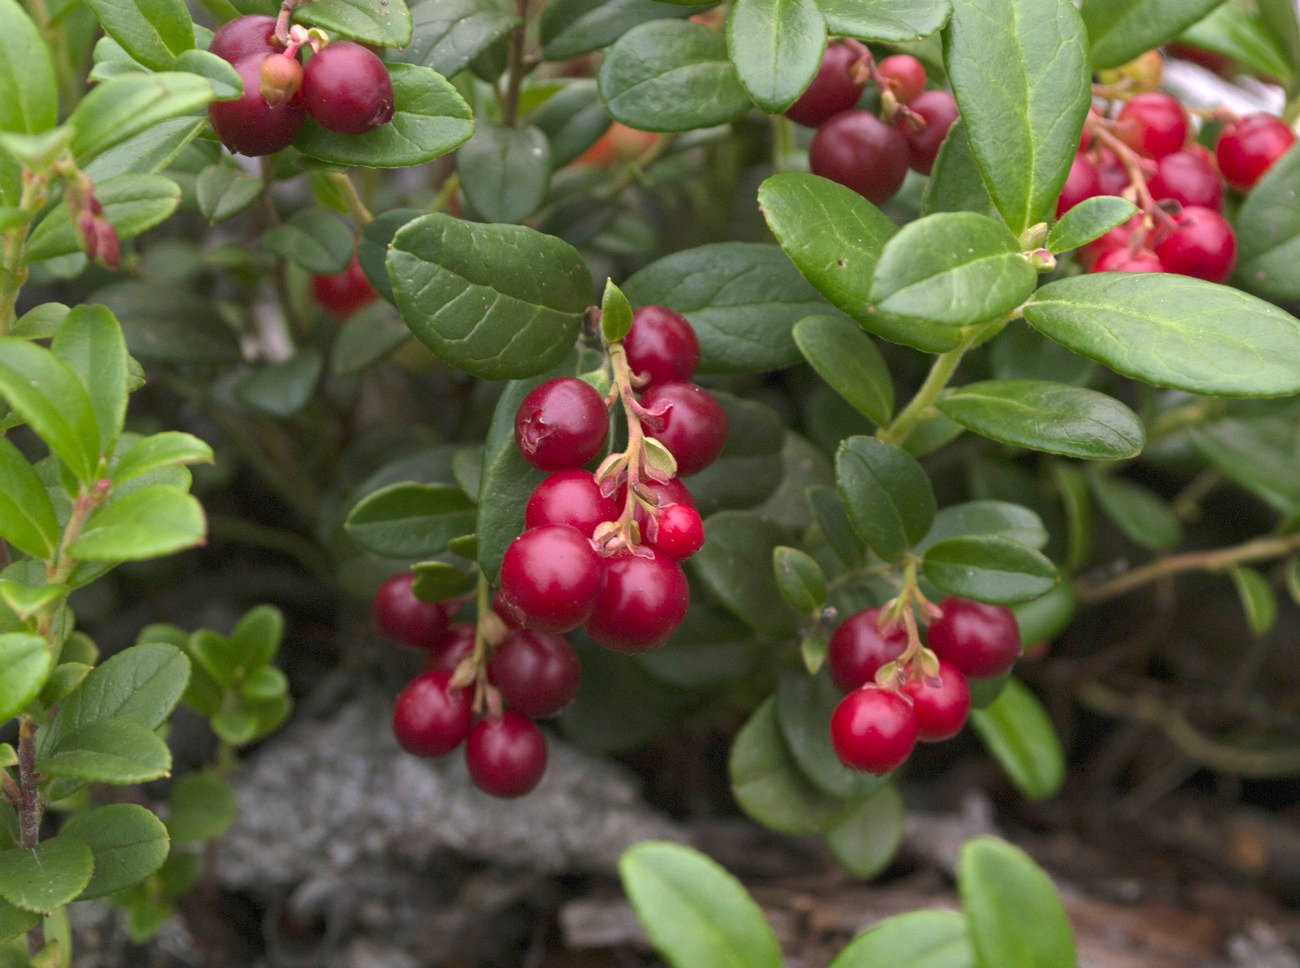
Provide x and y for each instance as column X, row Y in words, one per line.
column 343, row 85
column 897, row 693
column 858, row 149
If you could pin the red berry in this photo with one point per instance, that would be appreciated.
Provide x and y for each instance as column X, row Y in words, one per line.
column 250, row 126
column 430, row 717
column 347, row 89
column 1248, row 147
column 680, row 533
column 1082, row 183
column 455, row 646
column 939, row 110
column 873, row 730
column 979, row 640
column 243, row 37
column 644, row 600
column 858, row 649
column 570, row 497
column 1121, row 260
column 661, row 345
column 537, row 672
column 343, row 293
column 861, row 152
column 905, row 74
column 506, row 756
column 561, row 424
column 671, row 492
column 940, row 708
column 833, row 89
column 1201, row 245
column 552, row 576
column 1116, row 238
column 1111, row 173
column 404, row 618
column 1188, row 178
column 504, row 611
column 1152, row 124
column 694, row 425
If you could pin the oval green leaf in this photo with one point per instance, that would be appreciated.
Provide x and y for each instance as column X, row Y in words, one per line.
column 147, row 523
column 1013, row 913
column 29, row 99
column 869, row 836
column 800, row 579
column 1016, row 729
column 804, row 705
column 90, row 341
column 411, row 520
column 886, row 493
column 153, row 32
column 917, row 939
column 448, row 34
column 846, row 358
column 1087, row 220
column 24, row 665
column 125, row 106
column 313, row 238
column 891, row 21
column 505, row 171
column 384, row 24
column 776, row 46
column 988, row 517
column 49, row 876
column 956, row 184
column 570, row 28
column 128, row 842
column 1257, row 598
column 200, row 806
column 1119, row 30
column 27, row 518
column 1139, row 512
column 48, row 395
column 988, row 568
column 1268, row 232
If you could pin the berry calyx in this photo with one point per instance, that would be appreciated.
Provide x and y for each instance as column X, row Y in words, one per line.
column 1188, row 178
column 694, row 425
column 402, row 617
column 858, row 648
column 538, row 673
column 281, row 77
column 561, row 424
column 873, row 730
column 248, row 125
column 905, row 74
column 1249, row 146
column 346, row 88
column 569, row 497
column 1152, row 124
column 938, row 109
column 243, row 37
column 977, row 639
column 1121, row 260
column 1082, row 183
column 661, row 345
column 552, row 576
column 431, row 717
column 343, row 293
column 455, row 646
column 506, row 756
column 644, row 600
column 940, row 704
column 1202, row 244
column 861, row 152
column 833, row 90
column 680, row 532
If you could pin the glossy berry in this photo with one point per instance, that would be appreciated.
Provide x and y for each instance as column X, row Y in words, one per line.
column 680, row 532
column 940, row 709
column 1152, row 124
column 1248, row 147
column 858, row 649
column 455, row 646
column 861, row 152
column 537, row 672
column 873, row 730
column 979, row 640
column 248, row 125
column 694, row 425
column 561, row 424
column 644, row 600
column 1116, row 238
column 661, row 345
column 1121, row 260
column 504, row 611
column 347, row 89
column 1202, row 245
column 1111, row 173
column 1082, row 183
column 506, row 756
column 343, row 293
column 665, row 493
column 1188, row 178
column 430, row 717
column 905, row 74
column 402, row 617
column 551, row 576
column 939, row 110
column 833, row 89
column 243, row 37
column 570, row 497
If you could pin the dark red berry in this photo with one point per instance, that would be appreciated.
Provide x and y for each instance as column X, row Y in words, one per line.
column 347, row 89
column 859, row 648
column 661, row 345
column 1153, row 124
column 570, row 497
column 552, row 577
column 694, row 425
column 1082, row 183
column 250, row 126
column 680, row 532
column 537, row 672
column 561, row 424
column 1202, row 245
column 979, row 640
column 343, row 293
column 1248, row 147
column 243, row 37
column 905, row 74
column 404, row 618
column 939, row 110
column 941, row 706
column 644, row 600
column 833, row 89
column 1121, row 260
column 1188, row 178
column 430, row 717
column 873, row 730
column 861, row 152
column 1111, row 173
column 506, row 756
column 455, row 646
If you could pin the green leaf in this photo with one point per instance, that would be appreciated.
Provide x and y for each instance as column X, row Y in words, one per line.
column 313, row 238
column 411, row 520
column 167, row 323
column 29, row 99
column 999, row 519
column 223, row 190
column 48, row 395
column 573, row 27
column 65, row 677
column 917, row 939
column 892, row 21
column 869, row 836
column 437, row 581
column 1137, row 511
column 24, row 665
column 799, row 578
column 499, row 301
column 109, row 751
column 694, row 911
column 171, row 448
column 749, row 470
column 125, row 106
column 40, row 322
column 284, row 388
column 1044, row 618
column 776, row 47
column 221, row 74
column 1052, row 417
column 153, row 32
column 804, row 705
column 886, row 493
column 1247, row 38
column 573, row 119
column 27, row 600
column 953, row 268
column 1173, row 331
column 90, row 341
column 1013, row 913
column 49, row 876
column 733, row 542
column 448, row 34
column 430, row 119
column 150, row 522
column 133, row 204
column 1257, row 598
column 742, row 299
column 1089, row 219
column 988, row 568
column 671, row 75
column 1016, row 729
column 834, row 237
column 27, row 519
column 1282, row 23
column 615, row 313
column 15, row 921
column 505, row 171
column 368, row 336
column 129, row 843
column 1268, row 232
column 385, row 25
column 846, row 358
column 201, row 806
column 1259, row 454
column 956, row 184
column 1119, row 30
column 1023, row 124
